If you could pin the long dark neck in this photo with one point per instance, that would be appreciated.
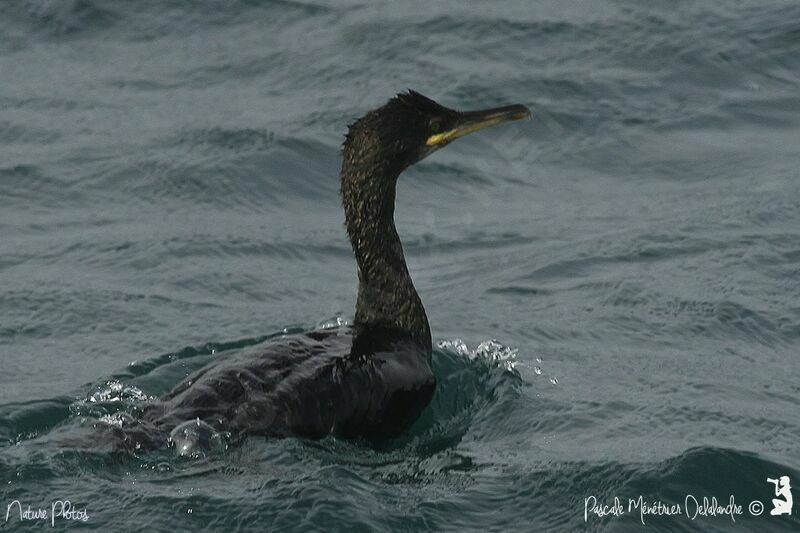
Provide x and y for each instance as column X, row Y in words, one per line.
column 387, row 299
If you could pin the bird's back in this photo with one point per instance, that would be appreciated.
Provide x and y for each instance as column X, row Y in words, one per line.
column 307, row 385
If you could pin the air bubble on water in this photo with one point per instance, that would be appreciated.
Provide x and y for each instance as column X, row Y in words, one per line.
column 554, row 380
column 537, row 370
column 539, row 360
column 194, row 438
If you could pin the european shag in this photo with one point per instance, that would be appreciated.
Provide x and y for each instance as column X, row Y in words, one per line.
column 370, row 380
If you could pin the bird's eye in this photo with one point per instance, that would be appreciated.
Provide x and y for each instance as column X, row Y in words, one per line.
column 435, row 127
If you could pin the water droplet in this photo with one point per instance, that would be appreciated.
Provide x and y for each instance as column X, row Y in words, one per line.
column 538, row 359
column 457, row 345
column 116, row 391
column 537, row 371
column 118, row 419
column 554, row 380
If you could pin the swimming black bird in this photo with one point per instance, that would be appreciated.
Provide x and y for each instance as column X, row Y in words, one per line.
column 370, row 380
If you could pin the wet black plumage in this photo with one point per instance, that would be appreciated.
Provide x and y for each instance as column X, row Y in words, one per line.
column 370, row 380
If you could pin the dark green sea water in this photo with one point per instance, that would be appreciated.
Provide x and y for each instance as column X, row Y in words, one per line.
column 613, row 286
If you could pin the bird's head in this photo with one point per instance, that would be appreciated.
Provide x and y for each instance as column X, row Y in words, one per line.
column 408, row 128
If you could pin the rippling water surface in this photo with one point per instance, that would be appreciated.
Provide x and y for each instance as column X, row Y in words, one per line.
column 613, row 286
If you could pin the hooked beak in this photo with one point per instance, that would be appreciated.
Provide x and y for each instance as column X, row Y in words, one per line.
column 471, row 121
